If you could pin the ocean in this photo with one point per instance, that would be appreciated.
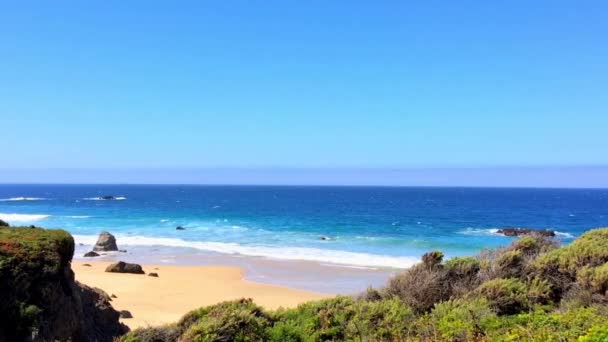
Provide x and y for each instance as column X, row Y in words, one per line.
column 356, row 228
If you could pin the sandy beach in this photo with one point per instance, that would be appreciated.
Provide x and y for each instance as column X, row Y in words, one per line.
column 179, row 289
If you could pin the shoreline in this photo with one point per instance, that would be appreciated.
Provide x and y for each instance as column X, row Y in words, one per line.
column 179, row 289
column 296, row 274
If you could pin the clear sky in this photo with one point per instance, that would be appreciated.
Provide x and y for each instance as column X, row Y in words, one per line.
column 303, row 84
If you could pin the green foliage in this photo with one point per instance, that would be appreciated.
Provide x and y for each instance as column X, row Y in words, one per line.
column 591, row 249
column 505, row 296
column 460, row 320
column 595, row 334
column 463, row 266
column 594, row 278
column 239, row 320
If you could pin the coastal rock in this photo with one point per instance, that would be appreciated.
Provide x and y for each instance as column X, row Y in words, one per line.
column 124, row 267
column 86, row 265
column 107, row 198
column 105, row 242
column 91, row 254
column 324, row 238
column 526, row 231
column 180, row 228
column 41, row 301
column 113, row 296
column 4, row 224
column 125, row 314
column 153, row 274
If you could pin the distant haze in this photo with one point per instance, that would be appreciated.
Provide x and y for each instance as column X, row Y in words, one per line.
column 567, row 177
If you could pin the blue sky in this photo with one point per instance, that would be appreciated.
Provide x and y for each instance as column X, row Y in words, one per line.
column 303, row 84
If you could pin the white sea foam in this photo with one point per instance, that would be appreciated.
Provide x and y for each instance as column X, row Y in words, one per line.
column 22, row 199
column 164, row 220
column 479, row 231
column 283, row 253
column 22, row 217
column 79, row 216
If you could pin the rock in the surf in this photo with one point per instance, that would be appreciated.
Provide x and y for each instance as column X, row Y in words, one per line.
column 108, row 198
column 106, row 242
column 124, row 267
column 526, row 231
column 180, row 228
column 91, row 254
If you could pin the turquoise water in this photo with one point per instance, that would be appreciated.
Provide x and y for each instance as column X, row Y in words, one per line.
column 365, row 226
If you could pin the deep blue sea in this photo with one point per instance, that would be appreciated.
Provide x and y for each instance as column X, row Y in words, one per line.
column 366, row 226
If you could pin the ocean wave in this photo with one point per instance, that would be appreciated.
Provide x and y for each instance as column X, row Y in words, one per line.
column 494, row 232
column 22, row 199
column 283, row 253
column 79, row 216
column 22, row 217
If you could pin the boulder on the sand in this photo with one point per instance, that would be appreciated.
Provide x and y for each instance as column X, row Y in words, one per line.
column 113, row 296
column 4, row 224
column 105, row 242
column 125, row 314
column 86, row 265
column 124, row 267
column 91, row 254
column 153, row 274
column 526, row 231
column 180, row 228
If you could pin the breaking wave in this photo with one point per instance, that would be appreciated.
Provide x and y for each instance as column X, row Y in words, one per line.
column 282, row 253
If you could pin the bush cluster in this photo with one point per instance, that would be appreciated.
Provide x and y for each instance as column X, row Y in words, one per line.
column 532, row 290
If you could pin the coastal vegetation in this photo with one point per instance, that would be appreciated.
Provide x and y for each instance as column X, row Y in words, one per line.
column 531, row 290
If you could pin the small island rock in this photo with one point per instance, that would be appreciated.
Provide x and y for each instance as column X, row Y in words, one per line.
column 180, row 228
column 526, row 231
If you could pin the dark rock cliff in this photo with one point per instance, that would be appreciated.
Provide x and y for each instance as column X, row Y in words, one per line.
column 39, row 297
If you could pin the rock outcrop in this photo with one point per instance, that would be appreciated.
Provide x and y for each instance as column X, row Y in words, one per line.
column 91, row 254
column 4, row 224
column 525, row 231
column 40, row 299
column 106, row 242
column 124, row 267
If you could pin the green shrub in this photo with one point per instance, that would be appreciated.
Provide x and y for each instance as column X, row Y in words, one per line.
column 595, row 334
column 387, row 320
column 590, row 249
column 420, row 287
column 239, row 320
column 544, row 326
column 324, row 320
column 460, row 320
column 594, row 279
column 505, row 296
